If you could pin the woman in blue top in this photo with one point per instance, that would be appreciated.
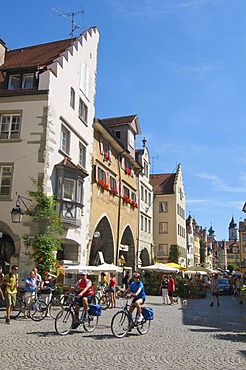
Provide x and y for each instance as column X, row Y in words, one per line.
column 136, row 288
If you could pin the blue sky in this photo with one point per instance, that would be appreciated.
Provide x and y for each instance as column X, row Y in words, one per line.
column 181, row 66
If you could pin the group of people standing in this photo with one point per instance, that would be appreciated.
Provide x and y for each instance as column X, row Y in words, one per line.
column 33, row 282
column 167, row 288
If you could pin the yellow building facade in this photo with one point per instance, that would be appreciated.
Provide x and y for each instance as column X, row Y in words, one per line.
column 114, row 207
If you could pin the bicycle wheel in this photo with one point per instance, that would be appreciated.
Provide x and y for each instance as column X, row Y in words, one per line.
column 55, row 306
column 90, row 323
column 143, row 326
column 37, row 310
column 104, row 302
column 64, row 321
column 120, row 324
column 17, row 309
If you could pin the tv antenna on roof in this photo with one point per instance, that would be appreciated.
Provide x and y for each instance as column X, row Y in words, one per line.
column 153, row 162
column 70, row 17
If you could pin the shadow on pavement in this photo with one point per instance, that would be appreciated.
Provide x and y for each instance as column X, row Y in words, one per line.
column 228, row 317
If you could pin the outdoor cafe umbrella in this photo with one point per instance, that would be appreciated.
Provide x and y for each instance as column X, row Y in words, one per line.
column 197, row 269
column 160, row 267
column 176, row 266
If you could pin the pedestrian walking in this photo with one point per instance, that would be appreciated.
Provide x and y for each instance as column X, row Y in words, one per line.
column 171, row 288
column 214, row 288
column 164, row 289
column 1, row 282
column 112, row 284
column 11, row 281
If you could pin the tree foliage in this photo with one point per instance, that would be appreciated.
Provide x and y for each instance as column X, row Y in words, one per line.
column 47, row 226
column 174, row 254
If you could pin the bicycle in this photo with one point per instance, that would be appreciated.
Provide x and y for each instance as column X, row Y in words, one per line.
column 55, row 304
column 35, row 310
column 123, row 322
column 65, row 318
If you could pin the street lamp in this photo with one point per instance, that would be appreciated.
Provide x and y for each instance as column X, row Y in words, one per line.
column 17, row 212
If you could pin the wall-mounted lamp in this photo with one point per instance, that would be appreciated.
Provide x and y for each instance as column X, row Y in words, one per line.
column 17, row 212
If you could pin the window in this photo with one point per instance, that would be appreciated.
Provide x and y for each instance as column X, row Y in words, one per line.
column 21, row 81
column 85, row 80
column 82, row 155
column 69, row 189
column 163, row 207
column 113, row 183
column 118, row 134
column 163, row 227
column 146, row 168
column 72, row 98
column 14, row 82
column 101, row 174
column 28, row 81
column 83, row 111
column 65, row 140
column 162, row 250
column 126, row 191
column 133, row 196
column 5, row 180
column 131, row 139
column 9, row 126
column 244, row 236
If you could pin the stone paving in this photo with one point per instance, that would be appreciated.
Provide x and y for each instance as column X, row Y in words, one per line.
column 198, row 337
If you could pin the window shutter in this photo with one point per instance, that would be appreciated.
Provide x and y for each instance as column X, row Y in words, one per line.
column 96, row 172
column 101, row 145
column 107, row 178
column 123, row 163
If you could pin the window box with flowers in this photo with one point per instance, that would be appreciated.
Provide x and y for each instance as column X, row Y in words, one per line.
column 114, row 191
column 128, row 171
column 134, row 204
column 102, row 184
column 107, row 157
column 126, row 199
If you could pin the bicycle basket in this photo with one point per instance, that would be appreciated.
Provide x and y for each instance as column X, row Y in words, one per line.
column 95, row 310
column 148, row 313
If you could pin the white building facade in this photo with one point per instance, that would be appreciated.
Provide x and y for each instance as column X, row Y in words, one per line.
column 47, row 95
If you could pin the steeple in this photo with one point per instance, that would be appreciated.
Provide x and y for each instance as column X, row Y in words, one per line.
column 233, row 230
column 211, row 231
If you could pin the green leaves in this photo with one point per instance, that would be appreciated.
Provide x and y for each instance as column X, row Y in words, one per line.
column 47, row 222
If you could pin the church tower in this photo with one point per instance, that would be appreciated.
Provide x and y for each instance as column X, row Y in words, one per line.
column 233, row 230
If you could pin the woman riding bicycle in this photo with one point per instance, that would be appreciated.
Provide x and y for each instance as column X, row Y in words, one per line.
column 136, row 288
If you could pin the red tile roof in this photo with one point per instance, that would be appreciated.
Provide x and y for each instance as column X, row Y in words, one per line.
column 163, row 183
column 34, row 56
column 118, row 120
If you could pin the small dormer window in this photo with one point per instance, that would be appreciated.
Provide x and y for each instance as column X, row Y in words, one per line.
column 28, row 81
column 21, row 81
column 14, row 82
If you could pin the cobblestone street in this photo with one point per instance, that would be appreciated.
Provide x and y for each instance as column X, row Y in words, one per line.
column 198, row 337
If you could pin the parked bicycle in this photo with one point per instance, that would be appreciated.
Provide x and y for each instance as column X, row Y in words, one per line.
column 55, row 304
column 65, row 318
column 105, row 300
column 123, row 322
column 36, row 310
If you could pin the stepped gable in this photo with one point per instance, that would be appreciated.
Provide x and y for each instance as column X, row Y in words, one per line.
column 39, row 57
column 163, row 183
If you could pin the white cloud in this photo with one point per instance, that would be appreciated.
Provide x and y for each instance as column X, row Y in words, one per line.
column 220, row 185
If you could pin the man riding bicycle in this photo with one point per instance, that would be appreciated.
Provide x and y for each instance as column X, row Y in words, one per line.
column 136, row 288
column 85, row 295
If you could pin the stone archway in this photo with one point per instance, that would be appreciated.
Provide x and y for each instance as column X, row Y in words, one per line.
column 130, row 255
column 144, row 257
column 102, row 242
column 10, row 247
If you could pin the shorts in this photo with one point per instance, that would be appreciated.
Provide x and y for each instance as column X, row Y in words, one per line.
column 10, row 299
column 135, row 299
column 170, row 293
column 89, row 297
column 111, row 290
column 215, row 294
